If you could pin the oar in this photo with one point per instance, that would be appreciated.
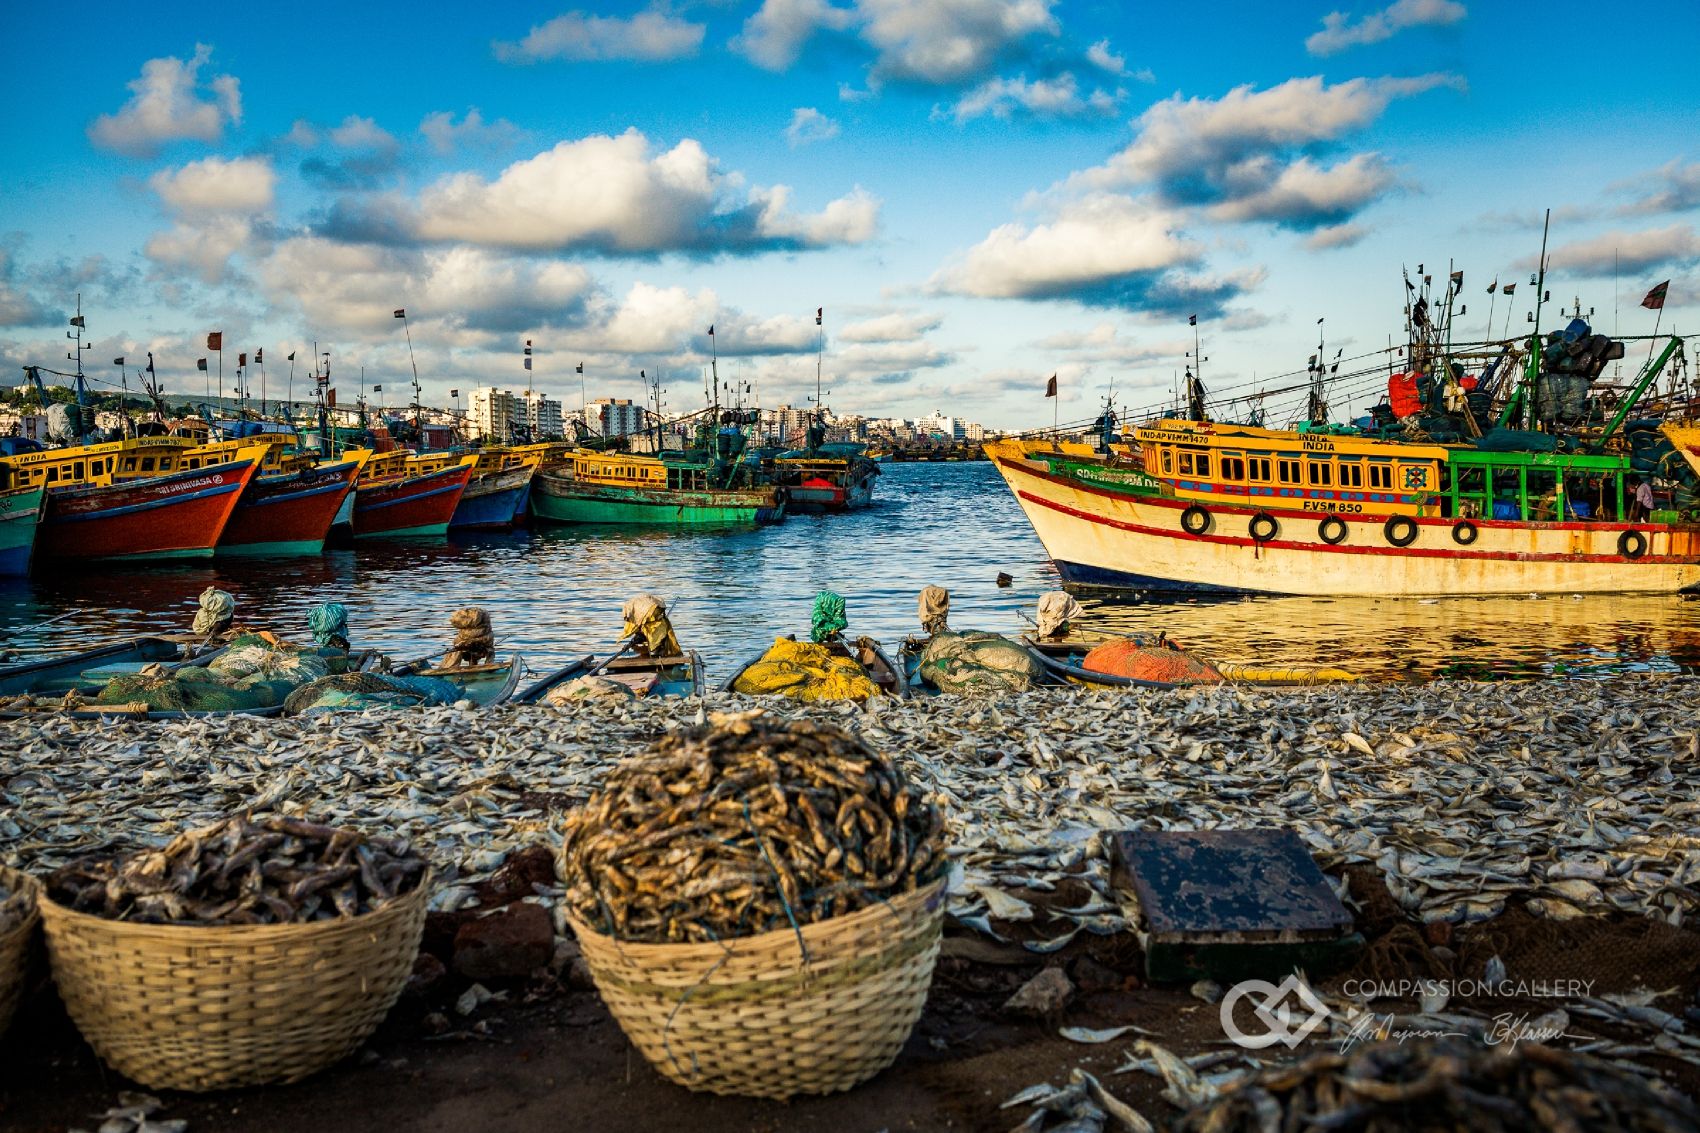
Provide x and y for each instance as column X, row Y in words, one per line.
column 631, row 642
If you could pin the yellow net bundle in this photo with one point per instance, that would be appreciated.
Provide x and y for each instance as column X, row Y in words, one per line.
column 803, row 670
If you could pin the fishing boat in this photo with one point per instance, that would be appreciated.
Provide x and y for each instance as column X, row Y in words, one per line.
column 483, row 685
column 292, row 501
column 390, row 501
column 826, row 478
column 679, row 675
column 497, row 495
column 20, row 517
column 603, row 487
column 1525, row 484
column 876, row 664
column 87, row 672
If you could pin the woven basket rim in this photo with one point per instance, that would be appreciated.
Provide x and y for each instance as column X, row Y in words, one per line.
column 61, row 914
column 32, row 885
column 643, row 952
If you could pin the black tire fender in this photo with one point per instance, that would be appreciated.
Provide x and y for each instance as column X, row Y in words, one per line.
column 1263, row 527
column 1632, row 544
column 1400, row 530
column 1332, row 530
column 1195, row 520
column 1464, row 533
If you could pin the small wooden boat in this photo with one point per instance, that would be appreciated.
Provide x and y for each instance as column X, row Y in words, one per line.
column 875, row 663
column 178, row 515
column 390, row 502
column 88, row 671
column 484, row 685
column 1062, row 663
column 289, row 513
column 679, row 675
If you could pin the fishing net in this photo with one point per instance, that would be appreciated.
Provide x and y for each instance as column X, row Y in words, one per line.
column 973, row 661
column 934, row 609
column 805, row 671
column 217, row 610
column 588, row 688
column 1442, row 1086
column 370, row 690
column 1056, row 610
column 194, row 691
column 1165, row 663
column 647, row 615
column 827, row 620
column 328, row 622
column 251, row 655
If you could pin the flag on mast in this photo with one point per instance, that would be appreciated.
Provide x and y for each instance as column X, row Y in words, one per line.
column 1655, row 300
column 77, row 321
column 259, row 357
column 118, row 361
column 291, row 357
column 1192, row 320
column 581, row 367
column 711, row 330
column 1510, row 289
column 242, row 359
column 1492, row 287
column 1051, row 387
column 215, row 340
column 818, row 312
column 200, row 364
column 401, row 312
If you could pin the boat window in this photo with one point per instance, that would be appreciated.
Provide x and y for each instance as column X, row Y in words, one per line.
column 129, row 464
column 147, row 464
column 1351, row 474
column 1169, row 461
column 1542, row 502
column 1289, row 471
column 77, row 470
column 1258, row 467
column 1233, row 468
column 1380, row 475
column 52, row 474
column 1321, row 472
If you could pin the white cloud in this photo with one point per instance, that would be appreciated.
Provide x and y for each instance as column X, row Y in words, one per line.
column 614, row 194
column 169, row 103
column 1335, row 236
column 1673, row 187
column 362, row 134
column 1677, row 245
column 216, row 184
column 893, row 326
column 17, row 307
column 1339, row 32
column 774, row 37
column 445, row 135
column 648, row 37
column 930, row 42
column 1101, row 57
column 1305, row 194
column 1043, row 98
column 1091, row 243
column 809, row 125
column 202, row 246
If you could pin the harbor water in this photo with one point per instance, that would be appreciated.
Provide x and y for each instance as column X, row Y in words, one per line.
column 555, row 593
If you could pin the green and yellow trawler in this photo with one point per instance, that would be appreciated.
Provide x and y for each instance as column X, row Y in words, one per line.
column 610, row 487
column 1530, row 476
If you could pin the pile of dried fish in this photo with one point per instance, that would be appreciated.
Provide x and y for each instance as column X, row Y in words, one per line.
column 747, row 826
column 1445, row 1085
column 278, row 870
column 15, row 907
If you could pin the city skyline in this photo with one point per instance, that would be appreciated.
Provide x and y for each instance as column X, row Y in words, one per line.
column 974, row 195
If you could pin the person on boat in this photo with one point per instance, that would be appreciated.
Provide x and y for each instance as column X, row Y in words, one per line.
column 828, row 618
column 217, row 612
column 934, row 608
column 648, row 628
column 475, row 640
column 1056, row 610
column 1643, row 509
column 328, row 623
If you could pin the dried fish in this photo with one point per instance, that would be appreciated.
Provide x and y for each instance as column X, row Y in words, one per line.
column 277, row 870
column 750, row 825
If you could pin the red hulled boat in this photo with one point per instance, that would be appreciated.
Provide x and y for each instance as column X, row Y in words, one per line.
column 178, row 515
column 412, row 505
column 288, row 513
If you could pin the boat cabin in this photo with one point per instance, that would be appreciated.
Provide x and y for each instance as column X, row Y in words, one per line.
column 618, row 469
column 1538, row 487
column 96, row 465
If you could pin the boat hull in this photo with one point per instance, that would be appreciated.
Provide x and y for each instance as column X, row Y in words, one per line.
column 560, row 499
column 177, row 516
column 493, row 502
column 290, row 514
column 817, row 494
column 416, row 506
column 1101, row 538
column 20, row 518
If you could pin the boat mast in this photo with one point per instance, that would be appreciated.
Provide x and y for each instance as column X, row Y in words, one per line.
column 1529, row 387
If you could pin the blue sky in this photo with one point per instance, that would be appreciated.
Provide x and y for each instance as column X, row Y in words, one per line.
column 979, row 193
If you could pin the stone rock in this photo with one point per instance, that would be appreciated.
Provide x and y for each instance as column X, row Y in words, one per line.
column 509, row 944
column 517, row 876
column 578, row 975
column 428, row 972
column 566, row 951
column 1042, row 997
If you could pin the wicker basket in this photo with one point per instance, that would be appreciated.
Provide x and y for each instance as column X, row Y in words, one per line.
column 191, row 1007
column 15, row 947
column 753, row 1017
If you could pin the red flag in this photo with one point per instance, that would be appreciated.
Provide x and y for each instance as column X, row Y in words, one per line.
column 1051, row 387
column 330, row 398
column 215, row 340
column 1510, row 289
column 242, row 359
column 1655, row 300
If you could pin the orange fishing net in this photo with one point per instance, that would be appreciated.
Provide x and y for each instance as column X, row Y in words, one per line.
column 1150, row 663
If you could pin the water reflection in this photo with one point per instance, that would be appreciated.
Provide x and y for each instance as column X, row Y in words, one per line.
column 556, row 593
